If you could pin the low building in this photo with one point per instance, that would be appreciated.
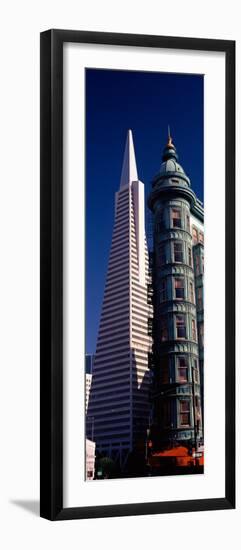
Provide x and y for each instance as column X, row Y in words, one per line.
column 90, row 460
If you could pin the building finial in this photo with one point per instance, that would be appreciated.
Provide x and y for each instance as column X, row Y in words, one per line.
column 170, row 149
column 169, row 142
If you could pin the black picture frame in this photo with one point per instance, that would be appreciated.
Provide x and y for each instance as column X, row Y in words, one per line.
column 51, row 325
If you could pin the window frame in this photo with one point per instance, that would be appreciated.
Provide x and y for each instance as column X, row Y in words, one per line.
column 191, row 292
column 179, row 278
column 164, row 327
column 185, row 412
column 194, row 329
column 178, row 210
column 163, row 291
column 175, row 243
column 184, row 367
column 195, row 239
column 190, row 259
column 162, row 247
column 184, row 325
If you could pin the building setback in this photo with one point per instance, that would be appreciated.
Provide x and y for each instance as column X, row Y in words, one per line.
column 178, row 309
column 119, row 404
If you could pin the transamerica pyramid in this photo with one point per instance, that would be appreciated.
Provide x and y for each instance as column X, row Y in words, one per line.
column 118, row 411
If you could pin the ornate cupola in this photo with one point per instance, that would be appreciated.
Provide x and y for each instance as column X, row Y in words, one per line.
column 171, row 178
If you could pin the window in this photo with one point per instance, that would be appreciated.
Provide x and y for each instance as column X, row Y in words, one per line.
column 191, row 293
column 166, row 413
column 182, row 369
column 189, row 256
column 178, row 252
column 201, row 335
column 160, row 224
column 198, row 266
column 180, row 326
column 201, row 237
column 151, row 259
column 176, row 217
column 198, row 416
column 162, row 254
column 194, row 332
column 185, row 412
column 194, row 235
column 199, row 298
column 195, row 372
column 197, row 401
column 149, row 326
column 164, row 330
column 163, row 291
column 188, row 222
column 164, row 370
column 179, row 288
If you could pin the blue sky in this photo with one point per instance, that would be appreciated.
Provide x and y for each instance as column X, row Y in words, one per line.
column 145, row 102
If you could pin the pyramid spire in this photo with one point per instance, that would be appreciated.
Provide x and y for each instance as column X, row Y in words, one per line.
column 129, row 170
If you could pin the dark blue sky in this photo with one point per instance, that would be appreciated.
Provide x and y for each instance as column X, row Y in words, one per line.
column 145, row 102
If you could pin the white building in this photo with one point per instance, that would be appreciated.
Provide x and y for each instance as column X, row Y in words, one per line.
column 118, row 411
column 90, row 460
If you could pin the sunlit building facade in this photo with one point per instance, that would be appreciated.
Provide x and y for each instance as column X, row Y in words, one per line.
column 88, row 377
column 119, row 401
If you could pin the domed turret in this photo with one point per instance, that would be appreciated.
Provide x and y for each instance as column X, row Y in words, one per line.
column 170, row 163
column 171, row 178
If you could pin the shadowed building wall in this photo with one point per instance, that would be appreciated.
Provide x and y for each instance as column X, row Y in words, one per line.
column 176, row 388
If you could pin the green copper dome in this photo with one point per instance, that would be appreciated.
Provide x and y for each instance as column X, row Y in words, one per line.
column 171, row 172
column 172, row 181
column 171, row 165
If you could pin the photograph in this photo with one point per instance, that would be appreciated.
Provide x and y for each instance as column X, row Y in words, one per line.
column 144, row 275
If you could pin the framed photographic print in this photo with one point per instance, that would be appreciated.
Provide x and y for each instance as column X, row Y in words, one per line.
column 137, row 274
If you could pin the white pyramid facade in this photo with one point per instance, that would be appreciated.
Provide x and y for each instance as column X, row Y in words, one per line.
column 118, row 411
